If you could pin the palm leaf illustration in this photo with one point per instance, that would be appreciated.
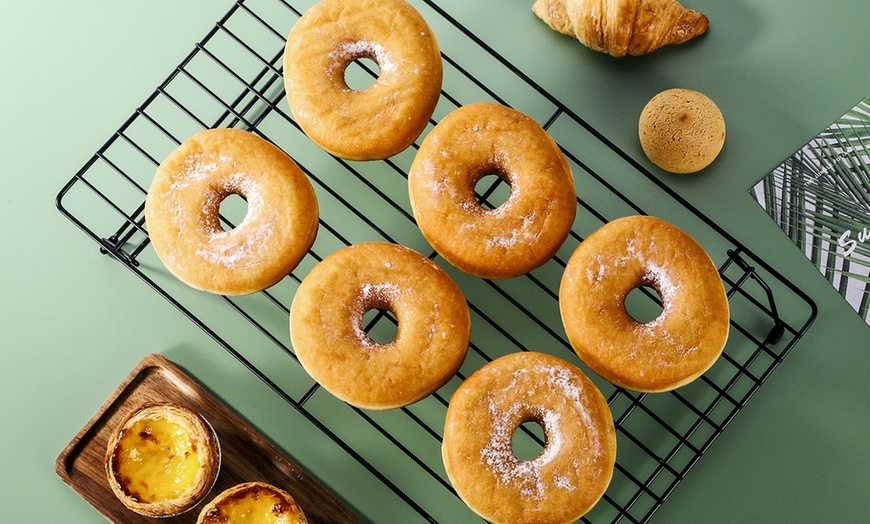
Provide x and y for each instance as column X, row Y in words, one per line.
column 820, row 198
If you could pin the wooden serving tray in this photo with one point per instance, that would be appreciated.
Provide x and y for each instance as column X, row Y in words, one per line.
column 245, row 454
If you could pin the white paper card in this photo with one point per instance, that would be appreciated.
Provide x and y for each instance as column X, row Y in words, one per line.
column 820, row 198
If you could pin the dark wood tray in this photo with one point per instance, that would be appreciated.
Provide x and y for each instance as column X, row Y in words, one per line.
column 246, row 455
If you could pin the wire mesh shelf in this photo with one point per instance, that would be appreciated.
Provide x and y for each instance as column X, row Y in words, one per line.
column 387, row 465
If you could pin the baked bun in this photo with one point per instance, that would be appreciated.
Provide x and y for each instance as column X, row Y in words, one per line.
column 681, row 131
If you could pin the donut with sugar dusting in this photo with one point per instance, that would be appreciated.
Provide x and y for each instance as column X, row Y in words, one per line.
column 576, row 464
column 521, row 234
column 383, row 119
column 183, row 201
column 673, row 349
column 327, row 332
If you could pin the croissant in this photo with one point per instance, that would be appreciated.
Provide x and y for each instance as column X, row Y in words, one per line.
column 620, row 27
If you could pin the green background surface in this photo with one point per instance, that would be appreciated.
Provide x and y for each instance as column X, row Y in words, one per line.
column 75, row 322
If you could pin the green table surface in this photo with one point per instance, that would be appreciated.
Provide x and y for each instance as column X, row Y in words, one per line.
column 75, row 322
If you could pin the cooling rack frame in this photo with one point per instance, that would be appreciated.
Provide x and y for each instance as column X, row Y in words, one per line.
column 661, row 436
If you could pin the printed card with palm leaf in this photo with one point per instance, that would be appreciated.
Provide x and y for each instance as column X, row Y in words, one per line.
column 820, row 198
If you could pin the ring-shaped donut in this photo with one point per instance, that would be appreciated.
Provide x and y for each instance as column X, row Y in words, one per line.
column 576, row 464
column 182, row 205
column 327, row 332
column 675, row 348
column 517, row 236
column 383, row 119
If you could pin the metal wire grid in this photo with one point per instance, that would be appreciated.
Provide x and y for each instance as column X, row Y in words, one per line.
column 233, row 79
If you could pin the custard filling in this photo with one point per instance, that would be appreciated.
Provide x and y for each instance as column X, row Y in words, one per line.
column 253, row 506
column 156, row 460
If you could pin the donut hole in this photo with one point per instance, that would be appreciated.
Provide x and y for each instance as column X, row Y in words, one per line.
column 492, row 190
column 361, row 73
column 380, row 325
column 644, row 304
column 232, row 210
column 528, row 440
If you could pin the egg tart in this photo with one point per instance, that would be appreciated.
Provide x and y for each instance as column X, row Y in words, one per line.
column 252, row 503
column 162, row 459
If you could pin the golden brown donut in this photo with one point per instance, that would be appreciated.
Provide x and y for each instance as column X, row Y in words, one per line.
column 162, row 459
column 388, row 116
column 573, row 470
column 681, row 131
column 675, row 348
column 327, row 332
column 253, row 502
column 521, row 234
column 181, row 212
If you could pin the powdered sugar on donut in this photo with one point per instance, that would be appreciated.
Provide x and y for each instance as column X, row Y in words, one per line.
column 237, row 247
column 660, row 278
column 347, row 52
column 527, row 476
column 691, row 328
column 479, row 142
column 573, row 468
column 185, row 199
column 526, row 232
column 655, row 274
column 201, row 167
column 524, row 475
column 372, row 295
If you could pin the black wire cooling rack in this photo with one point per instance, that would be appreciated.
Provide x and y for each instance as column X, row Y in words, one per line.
column 387, row 465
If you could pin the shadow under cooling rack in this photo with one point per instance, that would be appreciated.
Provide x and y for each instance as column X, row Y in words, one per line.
column 387, row 465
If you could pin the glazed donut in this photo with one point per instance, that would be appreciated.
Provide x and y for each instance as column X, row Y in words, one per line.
column 388, row 116
column 181, row 212
column 678, row 346
column 327, row 333
column 521, row 234
column 570, row 474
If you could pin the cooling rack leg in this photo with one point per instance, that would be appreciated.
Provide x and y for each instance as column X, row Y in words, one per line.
column 114, row 245
column 776, row 332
